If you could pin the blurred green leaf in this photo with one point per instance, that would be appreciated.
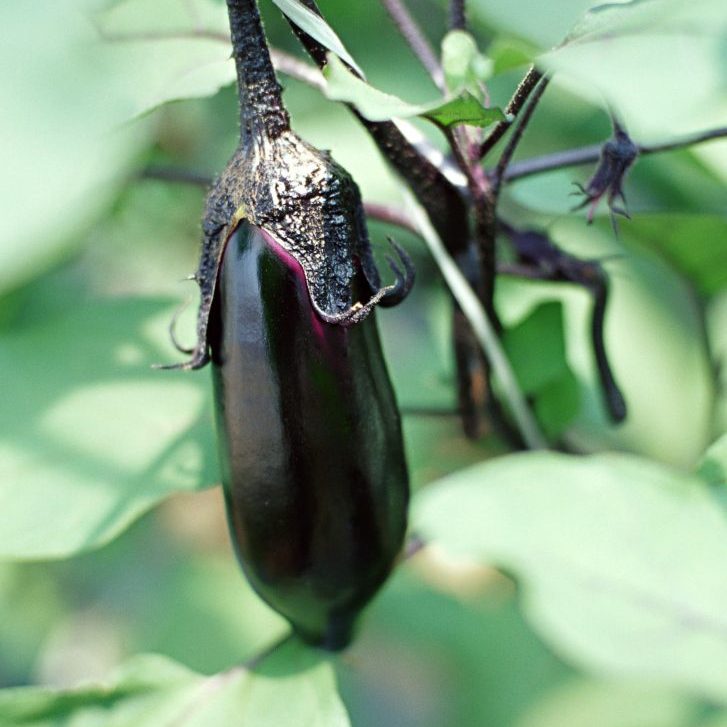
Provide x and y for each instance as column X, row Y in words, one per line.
column 30, row 605
column 713, row 467
column 291, row 686
column 434, row 652
column 465, row 68
column 91, row 436
column 375, row 105
column 509, row 53
column 204, row 612
column 543, row 24
column 557, row 404
column 717, row 334
column 436, row 446
column 644, row 54
column 317, row 28
column 64, row 151
column 695, row 244
column 536, row 347
column 416, row 340
column 170, row 50
column 621, row 560
column 589, row 703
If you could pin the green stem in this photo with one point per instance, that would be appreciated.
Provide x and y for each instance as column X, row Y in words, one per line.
column 483, row 330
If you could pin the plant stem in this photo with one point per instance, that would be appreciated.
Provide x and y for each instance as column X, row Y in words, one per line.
column 442, row 200
column 521, row 95
column 483, row 330
column 457, row 17
column 590, row 154
column 514, row 140
column 417, row 41
column 261, row 102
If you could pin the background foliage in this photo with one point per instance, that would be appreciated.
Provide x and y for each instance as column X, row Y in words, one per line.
column 557, row 590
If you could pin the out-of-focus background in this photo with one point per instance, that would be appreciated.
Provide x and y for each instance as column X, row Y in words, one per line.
column 112, row 534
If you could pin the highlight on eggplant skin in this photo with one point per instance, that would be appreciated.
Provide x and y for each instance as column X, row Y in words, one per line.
column 310, row 442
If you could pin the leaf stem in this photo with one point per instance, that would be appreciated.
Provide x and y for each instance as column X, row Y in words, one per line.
column 415, row 38
column 516, row 102
column 515, row 138
column 457, row 16
column 590, row 154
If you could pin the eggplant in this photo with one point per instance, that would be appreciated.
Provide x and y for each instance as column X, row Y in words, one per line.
column 311, row 451
column 309, row 435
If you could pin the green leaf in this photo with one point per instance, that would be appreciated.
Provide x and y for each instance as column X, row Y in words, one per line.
column 581, row 702
column 713, row 467
column 621, row 560
column 717, row 334
column 64, row 152
column 90, row 436
column 464, row 66
column 291, row 686
column 509, row 53
column 31, row 607
column 644, row 54
column 558, row 404
column 375, row 105
column 173, row 50
column 694, row 244
column 542, row 24
column 317, row 28
column 536, row 347
column 456, row 647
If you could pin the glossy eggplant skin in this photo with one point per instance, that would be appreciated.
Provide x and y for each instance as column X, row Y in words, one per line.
column 310, row 442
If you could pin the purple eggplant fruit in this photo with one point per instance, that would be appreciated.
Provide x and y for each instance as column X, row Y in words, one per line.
column 310, row 442
column 312, row 464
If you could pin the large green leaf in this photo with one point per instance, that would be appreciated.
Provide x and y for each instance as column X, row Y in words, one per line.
column 91, row 437
column 660, row 63
column 375, row 105
column 695, row 244
column 584, row 702
column 170, row 50
column 621, row 560
column 536, row 347
column 542, row 23
column 64, row 152
column 293, row 686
